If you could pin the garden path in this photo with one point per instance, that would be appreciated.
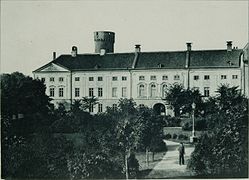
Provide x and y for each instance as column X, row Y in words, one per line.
column 169, row 166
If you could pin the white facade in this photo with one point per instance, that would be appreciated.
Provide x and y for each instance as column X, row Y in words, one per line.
column 110, row 86
column 143, row 76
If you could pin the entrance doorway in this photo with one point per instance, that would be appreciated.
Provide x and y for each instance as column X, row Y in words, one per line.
column 159, row 109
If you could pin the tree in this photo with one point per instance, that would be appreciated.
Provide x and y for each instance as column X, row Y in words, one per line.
column 226, row 152
column 24, row 103
column 89, row 102
column 149, row 131
column 181, row 99
column 22, row 95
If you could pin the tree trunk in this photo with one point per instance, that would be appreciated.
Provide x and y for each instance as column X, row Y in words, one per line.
column 153, row 156
column 147, row 156
column 126, row 166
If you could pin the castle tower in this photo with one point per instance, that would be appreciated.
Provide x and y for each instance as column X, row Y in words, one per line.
column 104, row 41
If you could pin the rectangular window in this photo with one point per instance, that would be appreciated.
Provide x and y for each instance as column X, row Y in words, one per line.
column 152, row 77
column 100, row 78
column 51, row 92
column 124, row 89
column 206, row 77
column 51, row 79
column 124, row 78
column 206, row 91
column 141, row 78
column 91, row 78
column 196, row 77
column 235, row 76
column 90, row 92
column 223, row 76
column 77, row 78
column 165, row 78
column 115, row 106
column 91, row 108
column 114, row 92
column 114, row 78
column 77, row 92
column 176, row 77
column 61, row 79
column 61, row 92
column 100, row 92
column 100, row 107
column 43, row 79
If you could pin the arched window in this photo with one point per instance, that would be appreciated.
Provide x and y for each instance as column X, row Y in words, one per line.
column 153, row 90
column 164, row 88
column 141, row 90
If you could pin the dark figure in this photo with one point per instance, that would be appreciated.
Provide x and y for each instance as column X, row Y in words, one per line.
column 181, row 150
column 133, row 166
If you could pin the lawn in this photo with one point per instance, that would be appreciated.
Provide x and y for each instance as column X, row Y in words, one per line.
column 144, row 168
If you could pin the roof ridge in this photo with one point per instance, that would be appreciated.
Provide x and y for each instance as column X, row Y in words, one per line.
column 144, row 52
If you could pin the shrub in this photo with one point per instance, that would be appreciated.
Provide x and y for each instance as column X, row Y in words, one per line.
column 186, row 126
column 168, row 136
column 182, row 137
column 161, row 146
column 174, row 136
column 172, row 122
column 200, row 125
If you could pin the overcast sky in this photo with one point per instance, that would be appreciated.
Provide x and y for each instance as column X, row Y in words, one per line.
column 32, row 30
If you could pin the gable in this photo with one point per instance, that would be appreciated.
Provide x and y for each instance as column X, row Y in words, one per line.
column 53, row 68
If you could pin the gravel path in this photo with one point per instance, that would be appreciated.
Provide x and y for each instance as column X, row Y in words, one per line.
column 169, row 166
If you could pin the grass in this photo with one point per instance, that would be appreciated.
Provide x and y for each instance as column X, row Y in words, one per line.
column 144, row 168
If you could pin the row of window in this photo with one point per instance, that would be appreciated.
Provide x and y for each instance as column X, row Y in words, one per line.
column 207, row 77
column 141, row 92
column 60, row 92
column 114, row 106
column 91, row 92
column 114, row 78
column 52, row 79
column 114, row 92
column 141, row 78
column 153, row 77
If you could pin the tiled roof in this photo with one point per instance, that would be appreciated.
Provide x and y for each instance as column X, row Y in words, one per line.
column 95, row 61
column 147, row 60
column 215, row 58
column 165, row 59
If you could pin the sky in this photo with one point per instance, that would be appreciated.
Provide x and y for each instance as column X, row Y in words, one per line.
column 32, row 30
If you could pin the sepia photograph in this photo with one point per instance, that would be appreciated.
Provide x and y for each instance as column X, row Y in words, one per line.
column 109, row 89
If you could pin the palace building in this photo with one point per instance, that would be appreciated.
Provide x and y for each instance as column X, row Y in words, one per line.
column 143, row 76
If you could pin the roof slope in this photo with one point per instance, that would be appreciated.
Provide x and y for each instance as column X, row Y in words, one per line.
column 95, row 61
column 215, row 58
column 150, row 60
column 166, row 59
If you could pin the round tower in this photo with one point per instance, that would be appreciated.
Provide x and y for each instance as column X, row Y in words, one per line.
column 104, row 40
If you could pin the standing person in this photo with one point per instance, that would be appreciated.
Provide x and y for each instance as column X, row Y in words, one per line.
column 181, row 150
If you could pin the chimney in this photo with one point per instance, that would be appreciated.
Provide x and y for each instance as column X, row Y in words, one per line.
column 137, row 51
column 102, row 52
column 229, row 45
column 188, row 54
column 189, row 46
column 54, row 55
column 74, row 51
column 137, row 48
